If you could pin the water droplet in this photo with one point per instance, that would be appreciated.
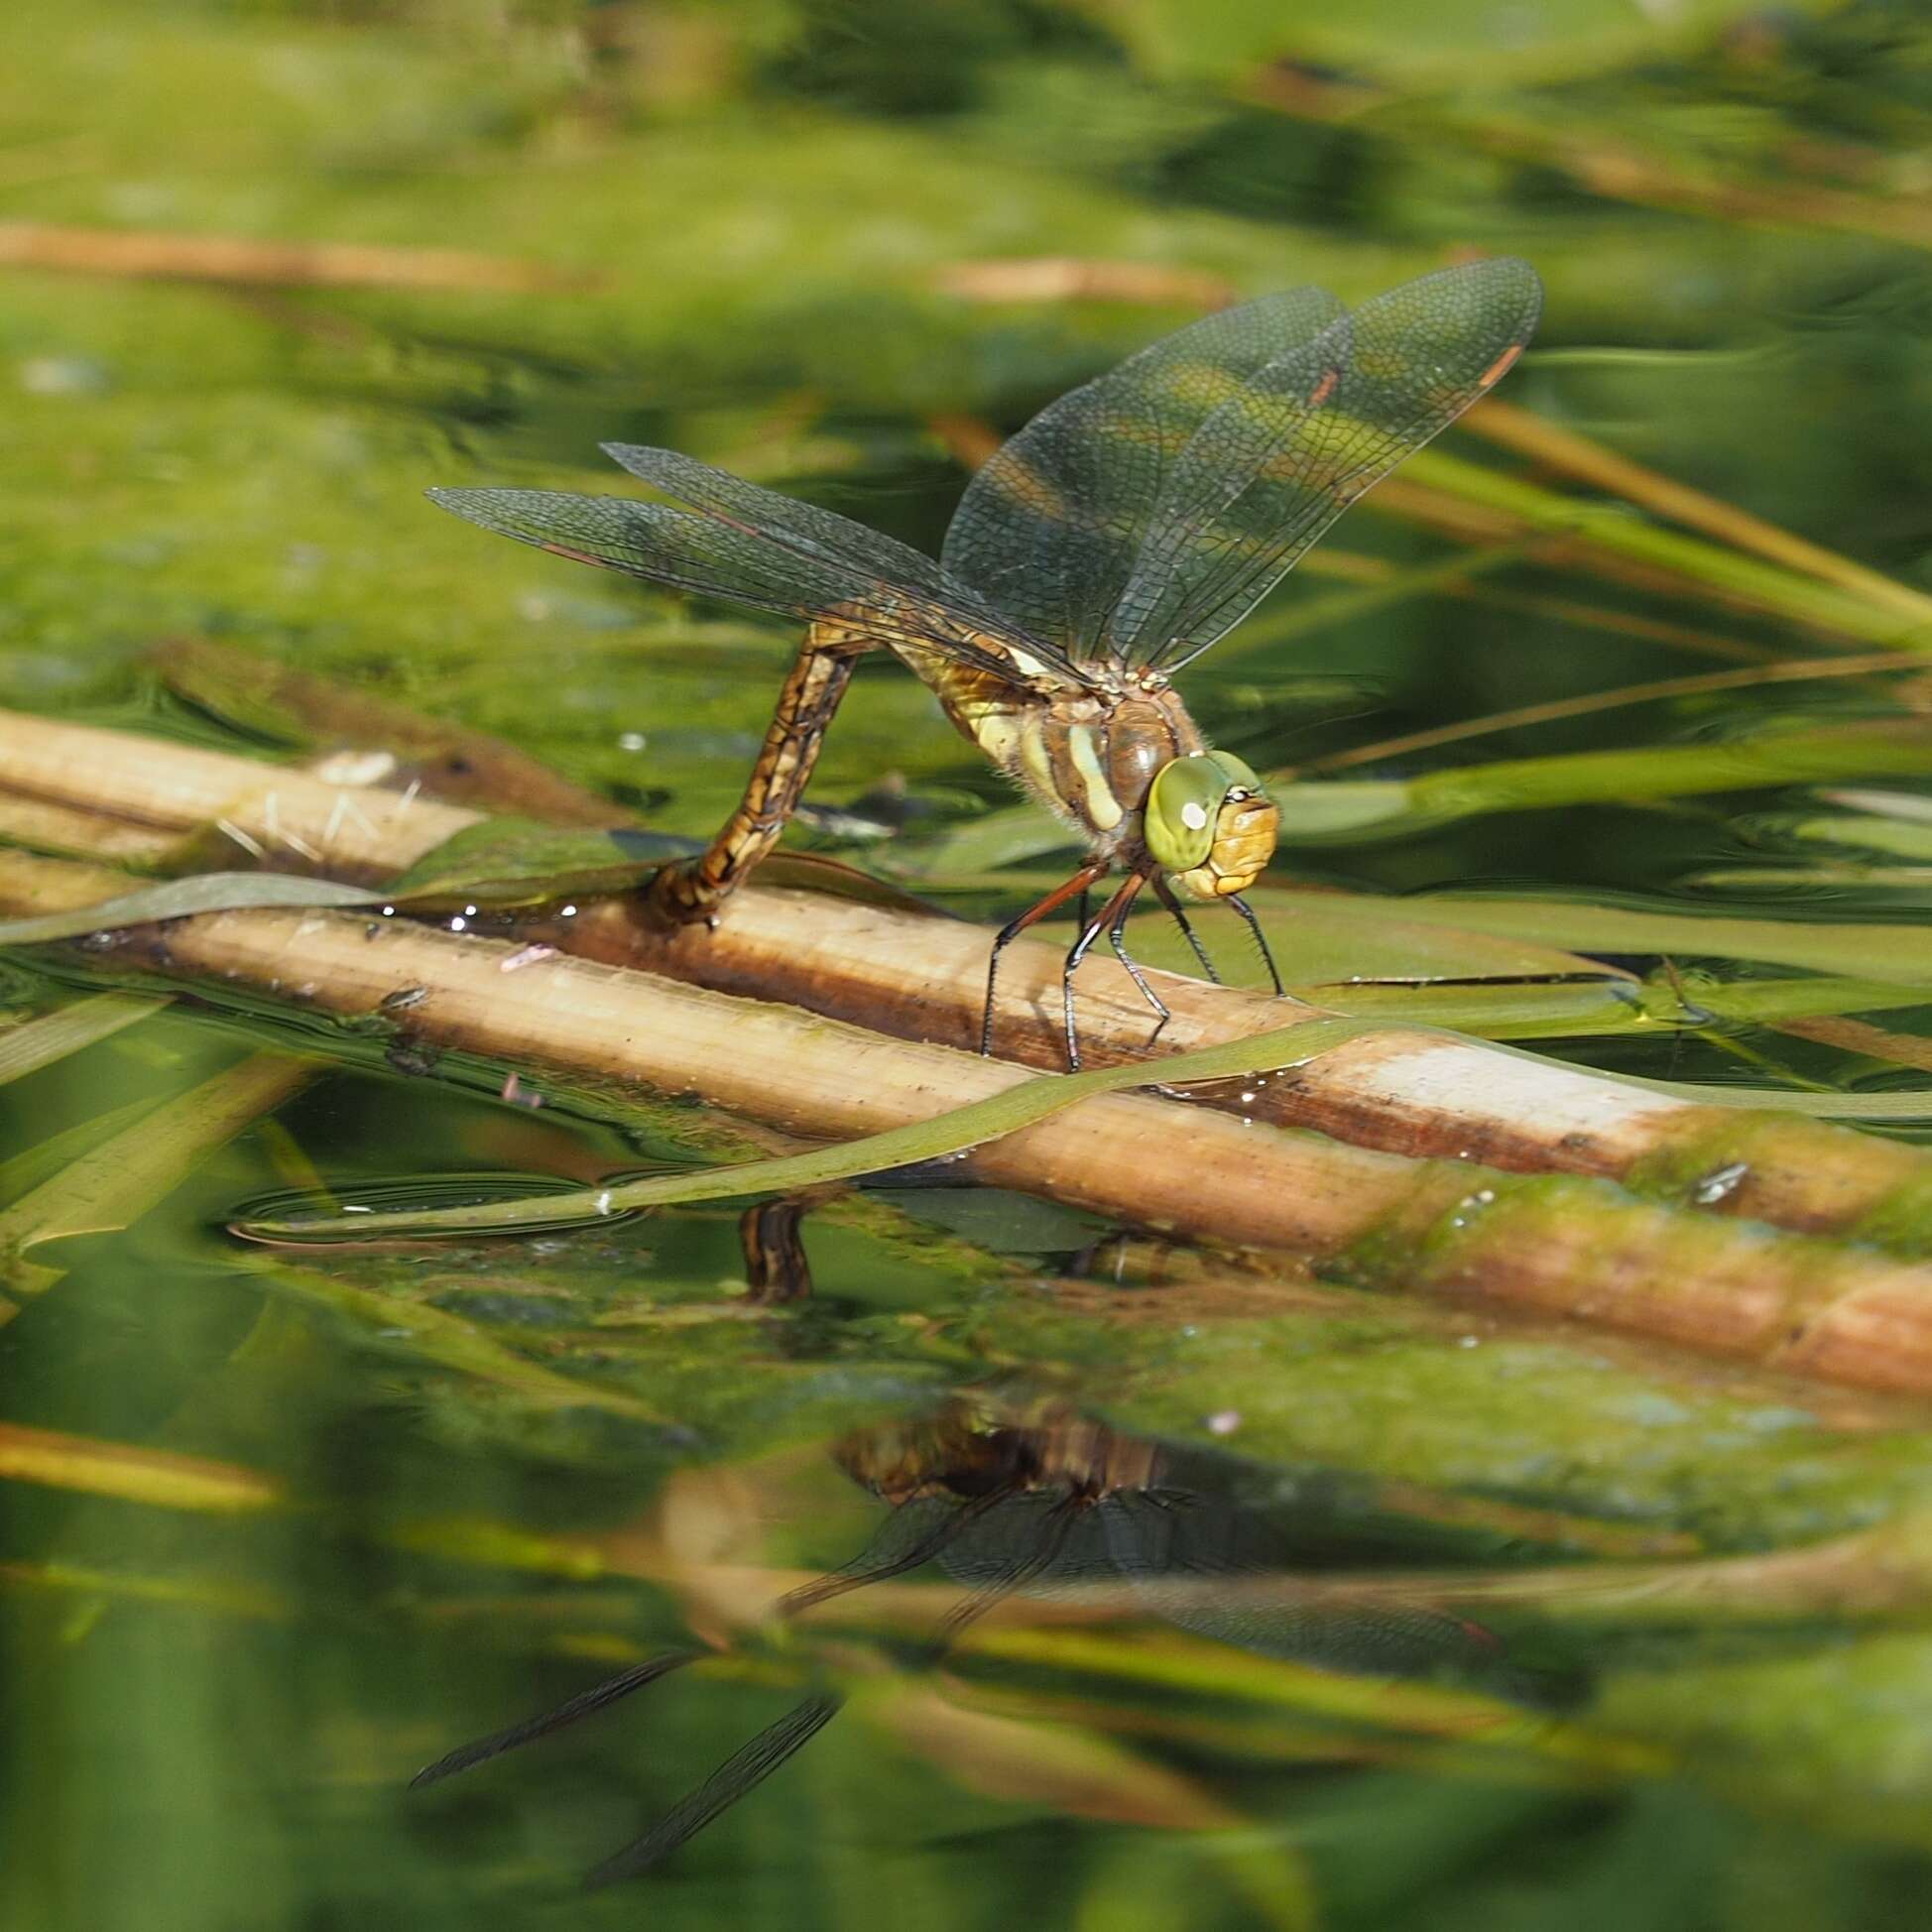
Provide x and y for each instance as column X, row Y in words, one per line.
column 1718, row 1183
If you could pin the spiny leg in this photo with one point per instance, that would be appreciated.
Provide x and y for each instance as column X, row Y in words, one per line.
column 1109, row 918
column 1247, row 912
column 1164, row 892
column 1125, row 901
column 1053, row 901
column 695, row 889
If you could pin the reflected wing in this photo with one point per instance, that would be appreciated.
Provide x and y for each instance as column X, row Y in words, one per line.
column 742, row 1772
column 1181, row 1551
column 749, row 545
column 1051, row 527
column 1161, row 504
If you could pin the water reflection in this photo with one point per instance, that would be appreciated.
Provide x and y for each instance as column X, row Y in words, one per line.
column 1054, row 1509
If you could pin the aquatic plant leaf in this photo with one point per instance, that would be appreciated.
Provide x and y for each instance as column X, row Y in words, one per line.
column 52, row 1036
column 949, row 1133
column 180, row 898
column 436, row 1336
column 1898, row 836
column 1720, row 571
column 117, row 1183
column 1318, row 812
column 1853, row 949
column 519, row 861
column 506, row 862
column 157, row 1476
column 968, row 1127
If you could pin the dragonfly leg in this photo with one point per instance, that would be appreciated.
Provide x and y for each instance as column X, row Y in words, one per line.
column 1124, row 900
column 1053, row 901
column 1109, row 919
column 1247, row 912
column 1164, row 892
column 694, row 889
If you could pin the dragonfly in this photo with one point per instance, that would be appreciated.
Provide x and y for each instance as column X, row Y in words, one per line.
column 1122, row 533
column 1040, row 1505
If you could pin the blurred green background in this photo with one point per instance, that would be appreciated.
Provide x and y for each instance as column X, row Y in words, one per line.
column 835, row 247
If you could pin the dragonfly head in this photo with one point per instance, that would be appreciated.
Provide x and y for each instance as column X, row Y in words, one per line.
column 1210, row 823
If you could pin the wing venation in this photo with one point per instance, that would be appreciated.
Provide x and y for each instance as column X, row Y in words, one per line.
column 1139, row 518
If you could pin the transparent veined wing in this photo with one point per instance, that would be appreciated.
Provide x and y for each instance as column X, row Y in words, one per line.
column 753, row 547
column 1139, row 518
column 1051, row 527
column 1178, row 1546
column 800, row 528
column 1309, row 431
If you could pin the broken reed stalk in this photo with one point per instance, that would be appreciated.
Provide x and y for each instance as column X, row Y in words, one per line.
column 1400, row 1091
column 1448, row 1228
column 146, row 255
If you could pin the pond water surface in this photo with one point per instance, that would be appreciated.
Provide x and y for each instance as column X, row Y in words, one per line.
column 1211, row 1592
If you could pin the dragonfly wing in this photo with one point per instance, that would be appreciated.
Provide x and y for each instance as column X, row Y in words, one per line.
column 790, row 572
column 1051, row 527
column 744, row 1771
column 800, row 528
column 1270, row 468
column 1180, row 1547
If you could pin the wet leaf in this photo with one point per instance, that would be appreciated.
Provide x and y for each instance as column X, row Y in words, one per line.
column 207, row 892
column 520, row 862
column 68, row 1030
column 118, row 1181
column 435, row 1336
column 1018, row 1106
column 1862, row 949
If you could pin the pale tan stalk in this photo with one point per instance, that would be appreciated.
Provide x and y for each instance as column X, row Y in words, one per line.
column 1449, row 1228
column 146, row 255
column 1402, row 1090
column 296, row 820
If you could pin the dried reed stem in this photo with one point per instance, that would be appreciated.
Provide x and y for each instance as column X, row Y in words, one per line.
column 1400, row 1091
column 234, row 258
column 1448, row 1228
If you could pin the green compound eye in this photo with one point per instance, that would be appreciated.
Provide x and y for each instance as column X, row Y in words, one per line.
column 1242, row 776
column 1183, row 807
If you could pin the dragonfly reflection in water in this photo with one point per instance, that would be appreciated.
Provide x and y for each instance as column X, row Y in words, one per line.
column 1118, row 536
column 1010, row 1509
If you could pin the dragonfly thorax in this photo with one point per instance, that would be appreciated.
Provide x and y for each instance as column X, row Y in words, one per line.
column 1128, row 769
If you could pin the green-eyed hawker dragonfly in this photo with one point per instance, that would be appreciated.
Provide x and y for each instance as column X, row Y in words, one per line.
column 1103, row 548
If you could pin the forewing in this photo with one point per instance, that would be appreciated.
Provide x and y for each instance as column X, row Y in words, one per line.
column 1051, row 527
column 1270, row 468
column 746, row 551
